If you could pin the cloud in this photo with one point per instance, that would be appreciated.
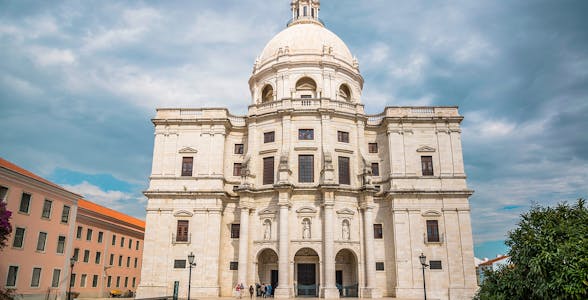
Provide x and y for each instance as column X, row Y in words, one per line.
column 117, row 200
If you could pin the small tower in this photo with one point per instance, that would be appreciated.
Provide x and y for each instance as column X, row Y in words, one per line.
column 305, row 11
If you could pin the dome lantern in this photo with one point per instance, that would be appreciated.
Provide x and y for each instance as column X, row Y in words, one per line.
column 305, row 11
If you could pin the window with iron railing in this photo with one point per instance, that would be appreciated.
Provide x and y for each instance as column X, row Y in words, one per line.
column 182, row 231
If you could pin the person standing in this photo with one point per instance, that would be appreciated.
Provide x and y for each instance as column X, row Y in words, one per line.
column 251, row 290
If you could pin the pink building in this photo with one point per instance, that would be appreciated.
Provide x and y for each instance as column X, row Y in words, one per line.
column 50, row 226
column 108, row 246
column 36, row 260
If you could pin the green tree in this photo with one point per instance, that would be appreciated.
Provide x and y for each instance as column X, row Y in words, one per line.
column 548, row 254
column 5, row 227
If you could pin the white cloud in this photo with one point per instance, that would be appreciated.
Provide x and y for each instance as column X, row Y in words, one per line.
column 45, row 56
column 19, row 85
column 116, row 200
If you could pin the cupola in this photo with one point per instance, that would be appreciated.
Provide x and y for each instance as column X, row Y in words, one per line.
column 305, row 11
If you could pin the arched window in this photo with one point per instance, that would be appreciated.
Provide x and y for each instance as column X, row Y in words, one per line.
column 305, row 88
column 344, row 93
column 267, row 94
column 305, row 11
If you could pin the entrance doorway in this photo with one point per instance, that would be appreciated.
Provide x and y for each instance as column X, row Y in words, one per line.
column 346, row 273
column 306, row 269
column 267, row 269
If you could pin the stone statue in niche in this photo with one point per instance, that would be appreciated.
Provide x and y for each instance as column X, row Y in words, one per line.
column 345, row 231
column 306, row 229
column 267, row 230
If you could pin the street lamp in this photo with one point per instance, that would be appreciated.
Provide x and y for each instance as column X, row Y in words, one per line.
column 72, row 262
column 192, row 264
column 423, row 260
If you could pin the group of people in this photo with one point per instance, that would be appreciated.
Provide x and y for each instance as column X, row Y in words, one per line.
column 261, row 290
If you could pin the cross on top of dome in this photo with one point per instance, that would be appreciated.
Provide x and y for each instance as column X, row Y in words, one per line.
column 305, row 11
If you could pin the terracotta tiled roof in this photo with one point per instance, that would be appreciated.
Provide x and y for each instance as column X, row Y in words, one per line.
column 10, row 166
column 492, row 261
column 85, row 204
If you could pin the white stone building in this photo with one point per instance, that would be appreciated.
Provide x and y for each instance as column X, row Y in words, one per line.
column 307, row 192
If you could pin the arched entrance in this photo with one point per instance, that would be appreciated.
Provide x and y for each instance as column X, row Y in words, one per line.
column 306, row 273
column 346, row 273
column 267, row 269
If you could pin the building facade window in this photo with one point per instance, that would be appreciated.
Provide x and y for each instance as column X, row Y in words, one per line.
column 234, row 265
column 128, row 261
column 117, row 281
column 100, row 236
column 95, row 281
column 114, row 239
column 373, row 147
column 137, row 245
column 46, row 214
column 98, row 257
column 269, row 137
column 126, row 281
column 79, row 232
column 120, row 260
column 72, row 280
column 41, row 241
column 237, row 169
column 375, row 169
column 76, row 254
column 433, row 231
column 12, row 276
column 111, row 259
column 19, row 234
column 122, row 241
column 235, row 230
column 343, row 136
column 130, row 243
column 25, row 202
column 55, row 278
column 435, row 265
column 134, row 281
column 135, row 264
column 88, row 234
column 306, row 134
column 268, row 170
column 378, row 232
column 61, row 244
column 65, row 214
column 109, row 281
column 83, row 280
column 182, row 231
column 3, row 193
column 86, row 256
column 36, row 277
column 239, row 148
column 379, row 266
column 187, row 166
column 305, row 168
column 427, row 165
column 179, row 264
column 343, row 166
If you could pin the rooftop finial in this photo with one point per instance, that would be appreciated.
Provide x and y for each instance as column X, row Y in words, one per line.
column 305, row 11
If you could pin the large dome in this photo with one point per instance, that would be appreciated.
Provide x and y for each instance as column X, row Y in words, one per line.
column 306, row 39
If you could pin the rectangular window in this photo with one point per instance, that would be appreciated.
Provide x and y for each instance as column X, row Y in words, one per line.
column 268, row 170
column 344, row 177
column 100, row 236
column 234, row 265
column 76, row 254
column 79, row 232
column 46, row 214
column 187, row 166
column 306, row 96
column 61, row 244
column 134, row 281
column 375, row 169
column 239, row 148
column 182, row 231
column 3, row 193
column 89, row 234
column 306, row 134
column 137, row 245
column 130, row 243
column 427, row 165
column 36, row 277
column 435, row 265
column 65, row 214
column 379, row 266
column 18, row 237
column 98, row 257
column 128, row 261
column 237, row 169
column 111, row 259
column 378, row 233
column 117, row 281
column 109, row 281
column 12, row 274
column 41, row 241
column 120, row 260
column 95, row 281
column 86, row 256
column 269, row 137
column 135, row 264
column 114, row 239
column 433, row 231
column 373, row 147
column 83, row 280
column 72, row 279
column 179, row 264
column 25, row 201
column 122, row 241
column 235, row 230
column 126, row 281
column 55, row 279
column 343, row 136
column 305, row 168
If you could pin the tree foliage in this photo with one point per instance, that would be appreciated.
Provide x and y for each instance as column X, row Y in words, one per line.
column 5, row 227
column 549, row 256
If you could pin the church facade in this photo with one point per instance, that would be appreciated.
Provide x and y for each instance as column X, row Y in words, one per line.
column 307, row 192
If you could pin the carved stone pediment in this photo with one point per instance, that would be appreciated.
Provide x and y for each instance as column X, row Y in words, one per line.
column 431, row 213
column 182, row 213
column 426, row 149
column 266, row 214
column 306, row 211
column 188, row 150
column 345, row 212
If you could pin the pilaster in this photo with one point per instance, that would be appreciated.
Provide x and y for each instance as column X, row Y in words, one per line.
column 330, row 289
column 283, row 290
column 367, row 205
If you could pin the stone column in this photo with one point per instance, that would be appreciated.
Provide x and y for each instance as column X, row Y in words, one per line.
column 330, row 289
column 370, row 290
column 243, row 245
column 283, row 290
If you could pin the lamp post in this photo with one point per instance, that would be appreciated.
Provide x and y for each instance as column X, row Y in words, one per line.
column 72, row 262
column 423, row 260
column 192, row 264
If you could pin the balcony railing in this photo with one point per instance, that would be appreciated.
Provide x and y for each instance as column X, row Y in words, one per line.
column 440, row 239
column 182, row 239
column 303, row 18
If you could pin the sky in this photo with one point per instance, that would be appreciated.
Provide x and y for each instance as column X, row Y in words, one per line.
column 80, row 81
